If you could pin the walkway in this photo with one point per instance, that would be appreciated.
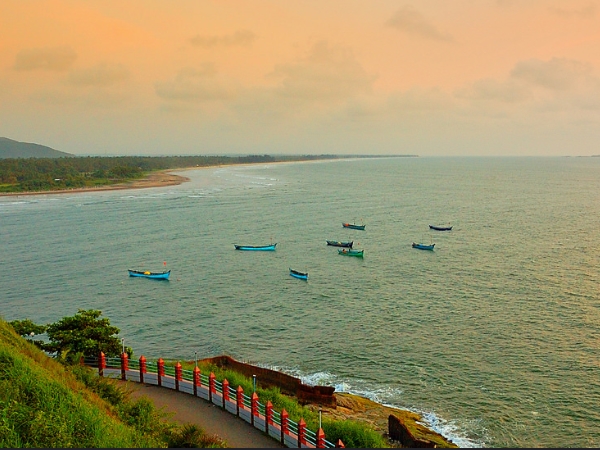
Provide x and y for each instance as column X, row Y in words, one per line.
column 212, row 419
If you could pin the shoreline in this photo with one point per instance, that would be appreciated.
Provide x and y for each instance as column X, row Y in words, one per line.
column 161, row 178
column 153, row 180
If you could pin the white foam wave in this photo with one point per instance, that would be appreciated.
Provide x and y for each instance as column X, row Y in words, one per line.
column 454, row 431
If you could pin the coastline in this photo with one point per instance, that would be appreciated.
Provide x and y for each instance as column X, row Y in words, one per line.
column 156, row 179
column 152, row 180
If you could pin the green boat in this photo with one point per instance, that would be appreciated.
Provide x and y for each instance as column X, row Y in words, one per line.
column 350, row 252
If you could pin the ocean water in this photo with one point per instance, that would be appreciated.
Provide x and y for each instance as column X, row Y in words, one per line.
column 493, row 337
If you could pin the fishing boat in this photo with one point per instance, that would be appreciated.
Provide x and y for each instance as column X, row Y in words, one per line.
column 353, row 226
column 340, row 244
column 147, row 274
column 423, row 246
column 300, row 275
column 438, row 228
column 350, row 252
column 270, row 247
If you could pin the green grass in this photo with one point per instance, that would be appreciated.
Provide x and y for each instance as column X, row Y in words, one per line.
column 46, row 404
column 353, row 434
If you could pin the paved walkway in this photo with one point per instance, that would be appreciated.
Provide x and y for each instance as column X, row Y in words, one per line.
column 212, row 419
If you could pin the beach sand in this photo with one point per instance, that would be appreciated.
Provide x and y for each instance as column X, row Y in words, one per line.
column 155, row 179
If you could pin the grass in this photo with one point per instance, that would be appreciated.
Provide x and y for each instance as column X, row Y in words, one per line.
column 46, row 404
column 353, row 434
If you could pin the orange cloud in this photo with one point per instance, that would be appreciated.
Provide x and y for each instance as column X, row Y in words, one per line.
column 99, row 75
column 241, row 38
column 411, row 21
column 52, row 59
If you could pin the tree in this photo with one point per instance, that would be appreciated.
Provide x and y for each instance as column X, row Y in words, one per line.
column 85, row 334
column 27, row 327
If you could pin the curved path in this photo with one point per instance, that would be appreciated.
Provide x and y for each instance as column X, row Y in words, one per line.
column 212, row 419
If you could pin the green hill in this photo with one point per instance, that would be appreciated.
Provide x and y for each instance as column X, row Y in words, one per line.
column 16, row 149
column 49, row 405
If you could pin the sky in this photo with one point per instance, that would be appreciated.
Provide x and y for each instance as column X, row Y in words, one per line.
column 204, row 77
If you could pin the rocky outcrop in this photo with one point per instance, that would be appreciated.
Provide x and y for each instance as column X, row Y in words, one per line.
column 399, row 432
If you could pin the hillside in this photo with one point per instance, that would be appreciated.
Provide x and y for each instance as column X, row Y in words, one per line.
column 43, row 404
column 16, row 149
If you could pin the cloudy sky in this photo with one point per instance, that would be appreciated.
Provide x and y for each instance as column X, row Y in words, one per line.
column 426, row 77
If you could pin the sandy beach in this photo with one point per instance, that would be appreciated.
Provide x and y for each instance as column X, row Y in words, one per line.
column 155, row 179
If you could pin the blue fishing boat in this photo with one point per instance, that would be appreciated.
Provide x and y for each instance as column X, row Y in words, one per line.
column 253, row 247
column 152, row 275
column 353, row 226
column 340, row 244
column 438, row 228
column 350, row 252
column 423, row 246
column 300, row 275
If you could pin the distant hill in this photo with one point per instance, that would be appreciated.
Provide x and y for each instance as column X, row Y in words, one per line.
column 16, row 149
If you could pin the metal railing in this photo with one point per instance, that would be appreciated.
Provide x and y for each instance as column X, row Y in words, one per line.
column 297, row 435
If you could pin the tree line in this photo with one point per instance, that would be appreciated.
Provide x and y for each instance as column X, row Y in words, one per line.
column 46, row 174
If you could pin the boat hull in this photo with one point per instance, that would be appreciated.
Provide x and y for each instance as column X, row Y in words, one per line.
column 436, row 228
column 340, row 244
column 151, row 275
column 423, row 246
column 353, row 226
column 299, row 275
column 349, row 252
column 263, row 248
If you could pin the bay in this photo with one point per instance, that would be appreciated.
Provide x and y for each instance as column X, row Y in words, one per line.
column 493, row 336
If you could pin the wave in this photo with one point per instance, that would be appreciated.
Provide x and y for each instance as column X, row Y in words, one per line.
column 453, row 430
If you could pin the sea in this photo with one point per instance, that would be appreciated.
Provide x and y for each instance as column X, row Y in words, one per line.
column 493, row 337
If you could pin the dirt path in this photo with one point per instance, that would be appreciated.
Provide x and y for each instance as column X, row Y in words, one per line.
column 212, row 419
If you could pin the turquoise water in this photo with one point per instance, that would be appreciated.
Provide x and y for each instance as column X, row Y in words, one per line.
column 493, row 336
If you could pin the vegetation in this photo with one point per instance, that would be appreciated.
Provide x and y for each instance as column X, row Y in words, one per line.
column 353, row 434
column 46, row 404
column 84, row 334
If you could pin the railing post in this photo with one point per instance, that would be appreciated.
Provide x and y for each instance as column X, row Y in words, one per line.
column 225, row 391
column 160, row 370
column 320, row 438
column 211, row 386
column 268, row 416
column 285, row 424
column 101, row 364
column 301, row 433
column 239, row 399
column 339, row 444
column 142, row 368
column 124, row 366
column 178, row 375
column 196, row 380
column 253, row 407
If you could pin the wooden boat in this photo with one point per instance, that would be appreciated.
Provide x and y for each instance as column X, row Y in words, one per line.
column 340, row 244
column 300, row 275
column 350, row 252
column 423, row 246
column 253, row 247
column 353, row 226
column 438, row 228
column 147, row 274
